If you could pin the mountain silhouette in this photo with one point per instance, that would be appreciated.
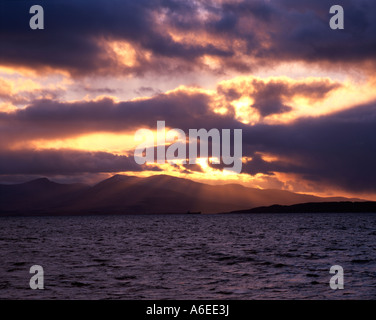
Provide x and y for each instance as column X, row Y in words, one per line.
column 123, row 194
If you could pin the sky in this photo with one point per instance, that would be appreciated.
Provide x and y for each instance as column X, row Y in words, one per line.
column 73, row 95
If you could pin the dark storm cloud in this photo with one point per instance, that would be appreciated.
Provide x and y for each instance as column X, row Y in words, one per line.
column 269, row 97
column 314, row 42
column 273, row 97
column 63, row 162
column 299, row 30
column 76, row 32
column 259, row 165
column 48, row 119
column 287, row 30
column 339, row 149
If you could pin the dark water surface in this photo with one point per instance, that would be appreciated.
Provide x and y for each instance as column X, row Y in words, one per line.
column 265, row 256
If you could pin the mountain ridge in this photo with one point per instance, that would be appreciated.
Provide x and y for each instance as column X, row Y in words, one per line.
column 125, row 194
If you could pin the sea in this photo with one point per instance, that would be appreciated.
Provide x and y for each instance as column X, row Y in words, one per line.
column 189, row 257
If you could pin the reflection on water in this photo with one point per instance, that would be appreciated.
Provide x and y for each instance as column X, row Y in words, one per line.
column 265, row 256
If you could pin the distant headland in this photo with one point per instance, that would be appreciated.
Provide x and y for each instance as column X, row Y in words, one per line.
column 317, row 207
